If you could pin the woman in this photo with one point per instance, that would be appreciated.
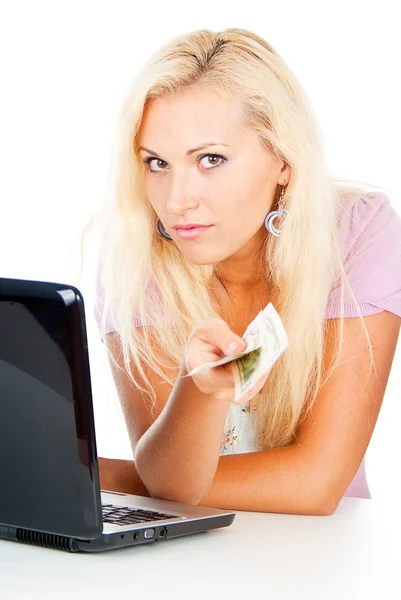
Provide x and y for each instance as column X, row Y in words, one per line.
column 215, row 136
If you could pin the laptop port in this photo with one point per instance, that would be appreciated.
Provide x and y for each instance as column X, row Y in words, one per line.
column 149, row 534
column 163, row 533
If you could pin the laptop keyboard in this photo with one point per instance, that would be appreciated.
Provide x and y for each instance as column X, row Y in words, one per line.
column 124, row 515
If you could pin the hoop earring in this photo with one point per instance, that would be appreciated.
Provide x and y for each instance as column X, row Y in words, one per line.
column 162, row 231
column 269, row 219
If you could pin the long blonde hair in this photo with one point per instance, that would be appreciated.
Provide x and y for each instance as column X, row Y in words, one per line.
column 145, row 273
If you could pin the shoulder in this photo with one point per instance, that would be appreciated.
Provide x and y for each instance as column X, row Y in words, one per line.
column 370, row 236
column 153, row 303
column 366, row 215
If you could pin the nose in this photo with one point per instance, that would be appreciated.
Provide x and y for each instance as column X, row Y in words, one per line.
column 181, row 195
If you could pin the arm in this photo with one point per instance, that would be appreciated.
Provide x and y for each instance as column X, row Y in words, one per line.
column 312, row 475
column 230, row 489
column 176, row 450
column 119, row 475
column 178, row 455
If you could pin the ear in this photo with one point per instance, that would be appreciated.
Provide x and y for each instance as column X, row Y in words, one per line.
column 285, row 174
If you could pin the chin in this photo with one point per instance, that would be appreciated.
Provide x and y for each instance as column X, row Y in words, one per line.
column 204, row 254
column 201, row 261
column 204, row 259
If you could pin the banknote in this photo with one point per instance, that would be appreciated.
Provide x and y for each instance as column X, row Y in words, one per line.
column 266, row 339
column 271, row 342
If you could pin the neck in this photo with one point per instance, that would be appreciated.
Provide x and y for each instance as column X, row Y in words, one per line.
column 237, row 287
column 239, row 296
column 243, row 273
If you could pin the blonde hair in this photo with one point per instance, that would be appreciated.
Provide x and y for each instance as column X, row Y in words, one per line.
column 301, row 265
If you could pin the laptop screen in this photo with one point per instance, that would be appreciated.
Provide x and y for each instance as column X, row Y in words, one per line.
column 48, row 468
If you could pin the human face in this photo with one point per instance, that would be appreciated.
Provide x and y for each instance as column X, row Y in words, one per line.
column 231, row 193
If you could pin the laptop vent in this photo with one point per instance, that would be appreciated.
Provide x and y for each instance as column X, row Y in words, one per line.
column 43, row 539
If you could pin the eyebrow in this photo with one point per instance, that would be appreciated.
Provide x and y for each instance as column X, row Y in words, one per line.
column 189, row 152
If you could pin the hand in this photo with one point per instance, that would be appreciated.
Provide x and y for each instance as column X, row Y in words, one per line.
column 211, row 340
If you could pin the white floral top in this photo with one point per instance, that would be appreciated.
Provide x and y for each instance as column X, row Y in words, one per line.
column 239, row 433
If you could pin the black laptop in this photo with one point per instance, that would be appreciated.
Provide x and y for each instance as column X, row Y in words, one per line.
column 49, row 483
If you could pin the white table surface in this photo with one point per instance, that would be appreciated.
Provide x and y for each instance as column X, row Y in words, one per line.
column 354, row 553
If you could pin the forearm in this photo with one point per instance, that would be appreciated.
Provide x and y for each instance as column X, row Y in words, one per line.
column 282, row 480
column 277, row 481
column 177, row 456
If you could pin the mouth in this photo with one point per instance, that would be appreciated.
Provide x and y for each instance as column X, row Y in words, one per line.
column 191, row 232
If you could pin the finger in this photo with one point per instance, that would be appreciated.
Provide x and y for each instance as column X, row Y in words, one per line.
column 218, row 380
column 217, row 331
column 255, row 389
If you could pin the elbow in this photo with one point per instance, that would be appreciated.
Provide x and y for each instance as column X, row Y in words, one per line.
column 175, row 491
column 330, row 504
column 161, row 488
column 323, row 504
column 316, row 499
column 322, row 509
column 183, row 494
column 173, row 496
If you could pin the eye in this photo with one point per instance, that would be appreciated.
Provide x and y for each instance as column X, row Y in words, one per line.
column 149, row 160
column 213, row 156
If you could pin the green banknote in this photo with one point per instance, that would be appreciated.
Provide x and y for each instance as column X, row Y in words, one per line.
column 266, row 340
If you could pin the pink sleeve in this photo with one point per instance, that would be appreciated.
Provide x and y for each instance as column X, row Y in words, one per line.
column 99, row 306
column 374, row 272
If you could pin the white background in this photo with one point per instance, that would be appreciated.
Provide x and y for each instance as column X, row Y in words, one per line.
column 65, row 69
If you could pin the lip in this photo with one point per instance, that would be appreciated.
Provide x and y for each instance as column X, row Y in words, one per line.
column 191, row 232
column 190, row 226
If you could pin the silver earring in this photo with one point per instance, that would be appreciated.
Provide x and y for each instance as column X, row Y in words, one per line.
column 162, row 231
column 269, row 219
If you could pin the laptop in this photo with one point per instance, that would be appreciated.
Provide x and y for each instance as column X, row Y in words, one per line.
column 50, row 491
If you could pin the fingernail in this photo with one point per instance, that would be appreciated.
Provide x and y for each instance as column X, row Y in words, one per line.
column 234, row 346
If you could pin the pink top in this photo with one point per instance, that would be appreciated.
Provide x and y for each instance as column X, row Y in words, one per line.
column 374, row 275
